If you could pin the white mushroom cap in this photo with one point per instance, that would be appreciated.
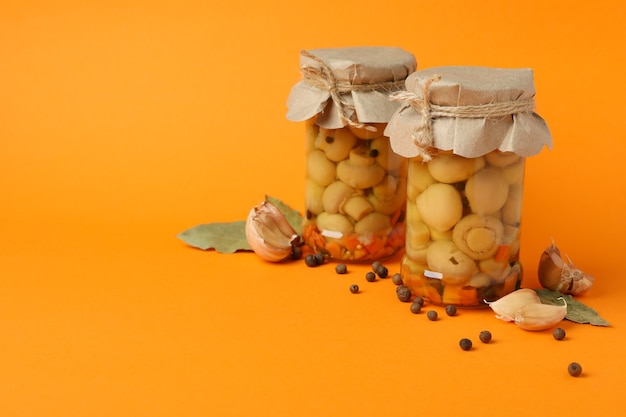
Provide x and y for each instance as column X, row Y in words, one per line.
column 451, row 168
column 486, row 191
column 440, row 206
column 320, row 169
column 445, row 257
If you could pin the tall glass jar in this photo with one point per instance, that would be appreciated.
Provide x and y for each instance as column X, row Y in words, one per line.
column 355, row 189
column 467, row 132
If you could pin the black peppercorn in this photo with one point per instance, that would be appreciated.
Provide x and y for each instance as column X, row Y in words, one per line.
column 382, row 271
column 309, row 260
column 450, row 310
column 374, row 153
column 465, row 344
column 320, row 258
column 341, row 269
column 354, row 288
column 485, row 336
column 418, row 300
column 416, row 308
column 329, row 139
column 558, row 333
column 397, row 279
column 376, row 265
column 370, row 277
column 574, row 369
column 403, row 293
column 432, row 315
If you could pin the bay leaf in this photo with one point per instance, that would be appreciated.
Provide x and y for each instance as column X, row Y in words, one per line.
column 293, row 216
column 576, row 311
column 228, row 237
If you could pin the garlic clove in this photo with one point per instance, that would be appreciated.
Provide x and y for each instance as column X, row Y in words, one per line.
column 537, row 316
column 507, row 306
column 269, row 234
column 556, row 274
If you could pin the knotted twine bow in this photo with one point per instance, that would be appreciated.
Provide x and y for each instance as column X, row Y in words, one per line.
column 324, row 79
column 423, row 135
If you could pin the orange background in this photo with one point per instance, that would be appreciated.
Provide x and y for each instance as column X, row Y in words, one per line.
column 126, row 123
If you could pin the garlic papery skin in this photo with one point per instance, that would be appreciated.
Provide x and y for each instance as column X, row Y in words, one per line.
column 537, row 316
column 507, row 306
column 269, row 234
column 557, row 274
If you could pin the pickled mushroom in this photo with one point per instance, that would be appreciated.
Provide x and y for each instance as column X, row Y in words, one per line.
column 445, row 257
column 385, row 156
column 478, row 236
column 373, row 223
column 314, row 197
column 337, row 223
column 389, row 203
column 369, row 131
column 335, row 195
column 440, row 206
column 486, row 191
column 358, row 172
column 419, row 178
column 501, row 159
column 451, row 168
column 336, row 144
column 320, row 169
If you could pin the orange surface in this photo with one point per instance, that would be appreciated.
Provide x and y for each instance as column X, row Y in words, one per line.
column 122, row 124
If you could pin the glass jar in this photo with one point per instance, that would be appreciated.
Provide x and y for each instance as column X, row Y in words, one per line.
column 355, row 189
column 467, row 132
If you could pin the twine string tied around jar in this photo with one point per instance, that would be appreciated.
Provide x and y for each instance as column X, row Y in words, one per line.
column 324, row 79
column 423, row 134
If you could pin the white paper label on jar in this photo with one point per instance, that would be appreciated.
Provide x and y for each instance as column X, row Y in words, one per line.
column 433, row 274
column 332, row 233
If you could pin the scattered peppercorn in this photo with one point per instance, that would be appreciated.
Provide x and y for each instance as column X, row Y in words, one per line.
column 374, row 153
column 559, row 333
column 329, row 139
column 465, row 344
column 418, row 300
column 450, row 310
column 341, row 269
column 309, row 260
column 485, row 336
column 382, row 271
column 397, row 279
column 416, row 308
column 574, row 369
column 354, row 288
column 296, row 252
column 432, row 315
column 320, row 258
column 375, row 265
column 404, row 293
column 370, row 277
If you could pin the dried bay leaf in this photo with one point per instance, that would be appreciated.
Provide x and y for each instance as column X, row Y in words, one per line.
column 223, row 237
column 576, row 311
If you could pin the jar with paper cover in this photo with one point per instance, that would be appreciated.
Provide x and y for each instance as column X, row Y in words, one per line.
column 355, row 189
column 467, row 132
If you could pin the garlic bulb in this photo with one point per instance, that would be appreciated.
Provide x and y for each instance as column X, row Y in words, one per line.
column 557, row 274
column 269, row 234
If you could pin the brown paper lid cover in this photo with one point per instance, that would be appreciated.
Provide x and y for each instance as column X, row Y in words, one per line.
column 472, row 111
column 363, row 77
